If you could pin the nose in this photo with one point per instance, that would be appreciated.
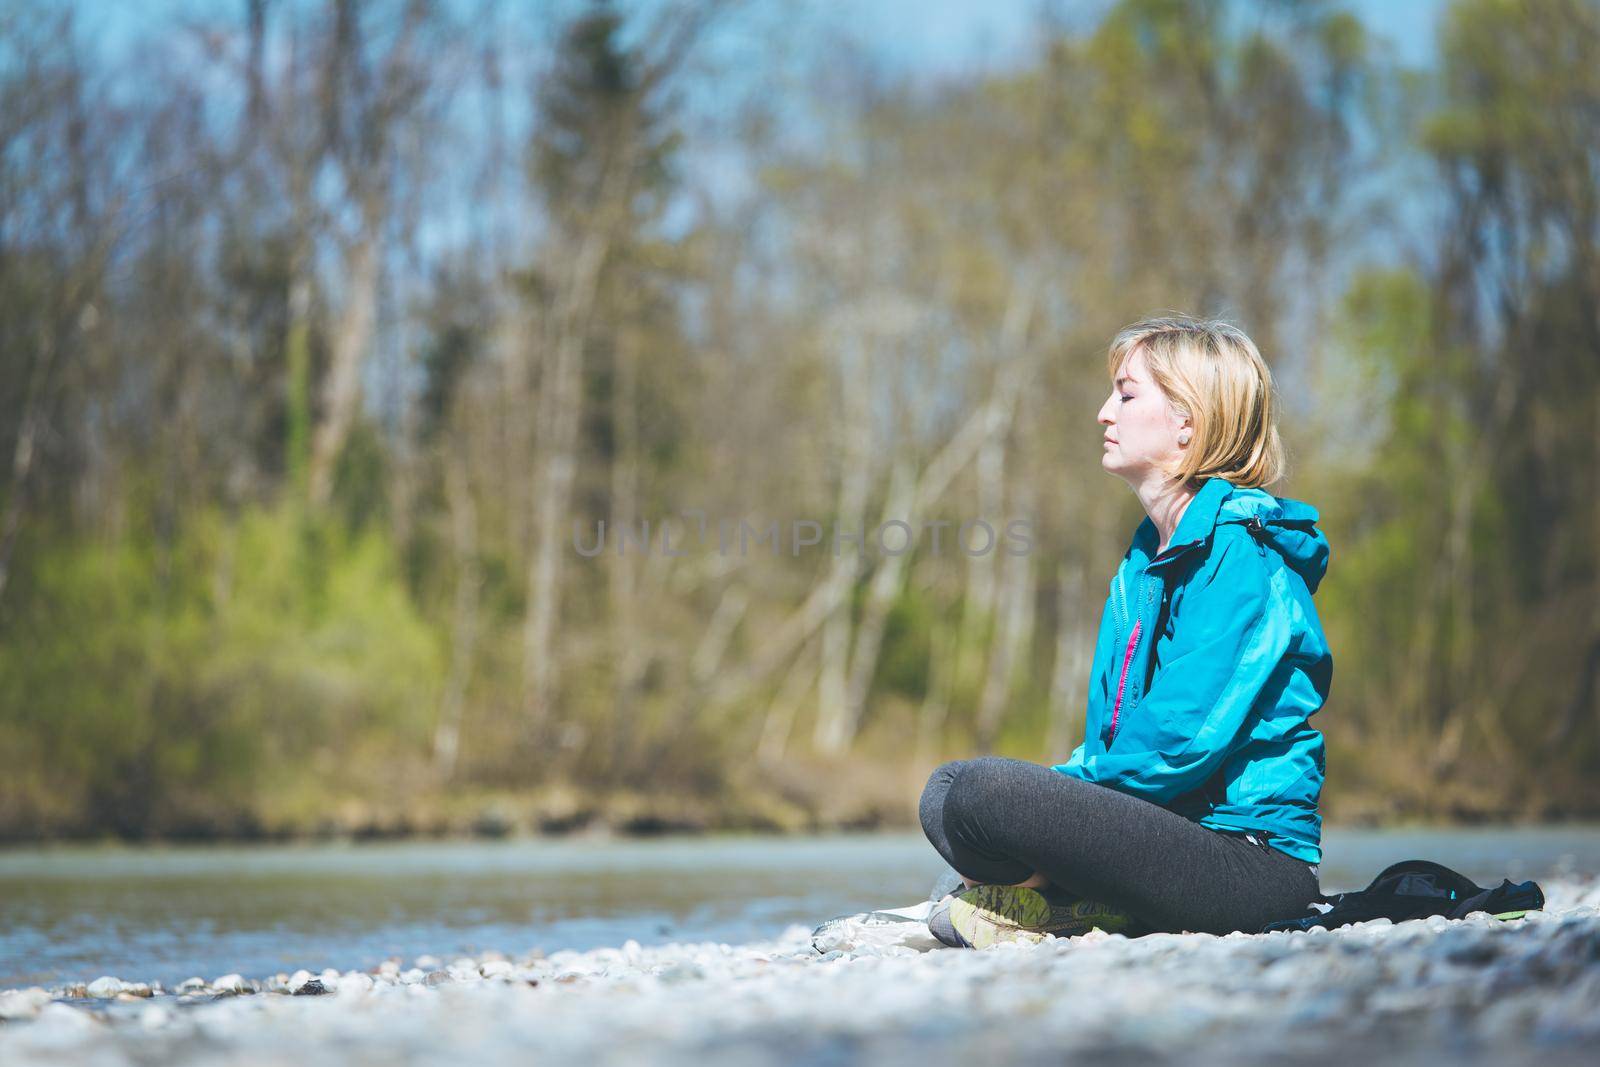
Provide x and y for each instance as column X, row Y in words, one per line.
column 1106, row 410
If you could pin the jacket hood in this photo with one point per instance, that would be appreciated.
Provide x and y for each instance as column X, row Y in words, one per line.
column 1288, row 527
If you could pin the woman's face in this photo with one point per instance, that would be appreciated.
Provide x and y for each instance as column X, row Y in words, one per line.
column 1142, row 430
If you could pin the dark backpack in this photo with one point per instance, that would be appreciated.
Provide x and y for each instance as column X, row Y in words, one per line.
column 1416, row 889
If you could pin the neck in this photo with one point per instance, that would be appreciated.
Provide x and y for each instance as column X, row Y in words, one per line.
column 1164, row 501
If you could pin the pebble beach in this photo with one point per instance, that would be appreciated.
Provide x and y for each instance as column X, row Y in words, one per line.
column 1475, row 990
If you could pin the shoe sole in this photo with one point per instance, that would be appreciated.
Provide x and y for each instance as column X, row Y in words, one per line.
column 1085, row 915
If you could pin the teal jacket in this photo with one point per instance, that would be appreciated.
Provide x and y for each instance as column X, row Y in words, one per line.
column 1209, row 661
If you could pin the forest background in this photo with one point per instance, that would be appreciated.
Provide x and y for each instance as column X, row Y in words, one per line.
column 330, row 332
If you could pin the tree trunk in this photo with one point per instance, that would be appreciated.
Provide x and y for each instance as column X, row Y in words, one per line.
column 21, row 465
column 1013, row 630
column 882, row 593
column 464, row 633
column 978, row 601
column 830, row 733
column 1070, row 677
column 778, row 722
column 518, row 350
column 297, row 359
column 936, row 699
column 713, row 646
column 352, row 336
column 623, row 566
column 935, row 480
column 560, row 408
column 1585, row 700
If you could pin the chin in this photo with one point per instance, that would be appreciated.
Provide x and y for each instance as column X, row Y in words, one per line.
column 1113, row 467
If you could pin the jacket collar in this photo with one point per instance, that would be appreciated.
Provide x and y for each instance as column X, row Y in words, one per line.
column 1198, row 521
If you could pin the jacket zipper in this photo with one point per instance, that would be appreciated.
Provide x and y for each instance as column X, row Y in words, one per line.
column 1122, row 601
column 1122, row 684
column 1254, row 525
column 1133, row 639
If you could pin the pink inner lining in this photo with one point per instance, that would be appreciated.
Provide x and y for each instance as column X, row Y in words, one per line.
column 1122, row 684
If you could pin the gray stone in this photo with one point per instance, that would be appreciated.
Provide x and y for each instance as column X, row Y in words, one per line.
column 105, row 987
column 231, row 984
column 23, row 1003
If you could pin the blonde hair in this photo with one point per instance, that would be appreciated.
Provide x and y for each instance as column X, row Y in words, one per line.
column 1212, row 373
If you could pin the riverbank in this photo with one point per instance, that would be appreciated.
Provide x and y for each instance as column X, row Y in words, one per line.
column 785, row 807
column 796, row 798
column 1477, row 990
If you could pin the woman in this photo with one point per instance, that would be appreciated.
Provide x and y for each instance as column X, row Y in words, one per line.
column 1192, row 802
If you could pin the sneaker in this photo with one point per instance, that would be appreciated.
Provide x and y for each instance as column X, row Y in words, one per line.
column 889, row 927
column 989, row 914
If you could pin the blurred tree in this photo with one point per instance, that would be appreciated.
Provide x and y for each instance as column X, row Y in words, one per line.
column 602, row 164
column 315, row 346
column 58, row 202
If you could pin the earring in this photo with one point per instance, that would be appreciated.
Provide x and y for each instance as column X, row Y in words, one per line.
column 1183, row 438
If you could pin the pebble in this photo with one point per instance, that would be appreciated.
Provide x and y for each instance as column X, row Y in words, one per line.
column 355, row 984
column 23, row 1003
column 231, row 983
column 1458, row 991
column 104, row 988
column 58, row 1020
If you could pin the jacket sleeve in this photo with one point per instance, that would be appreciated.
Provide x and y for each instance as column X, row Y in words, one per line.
column 1230, row 639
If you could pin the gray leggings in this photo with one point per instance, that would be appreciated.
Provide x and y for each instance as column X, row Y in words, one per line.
column 1001, row 820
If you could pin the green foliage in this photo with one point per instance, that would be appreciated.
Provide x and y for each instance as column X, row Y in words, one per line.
column 174, row 688
column 903, row 663
column 599, row 124
column 188, row 646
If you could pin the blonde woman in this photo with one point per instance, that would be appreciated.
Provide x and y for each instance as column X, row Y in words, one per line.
column 1192, row 802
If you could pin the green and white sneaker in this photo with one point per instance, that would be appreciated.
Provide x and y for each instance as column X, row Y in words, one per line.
column 989, row 914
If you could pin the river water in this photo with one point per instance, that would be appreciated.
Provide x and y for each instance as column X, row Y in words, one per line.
column 73, row 914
